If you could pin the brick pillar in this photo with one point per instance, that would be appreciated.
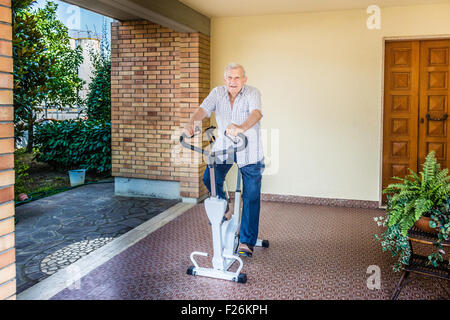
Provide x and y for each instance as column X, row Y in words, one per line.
column 194, row 87
column 144, row 76
column 7, row 251
column 158, row 77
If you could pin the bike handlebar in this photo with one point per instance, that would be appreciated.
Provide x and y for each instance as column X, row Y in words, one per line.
column 220, row 152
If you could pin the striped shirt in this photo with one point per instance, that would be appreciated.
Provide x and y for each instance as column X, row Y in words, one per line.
column 247, row 100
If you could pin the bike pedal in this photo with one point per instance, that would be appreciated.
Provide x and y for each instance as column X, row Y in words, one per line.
column 245, row 254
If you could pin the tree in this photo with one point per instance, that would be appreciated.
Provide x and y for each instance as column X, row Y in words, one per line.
column 99, row 98
column 30, row 65
column 45, row 66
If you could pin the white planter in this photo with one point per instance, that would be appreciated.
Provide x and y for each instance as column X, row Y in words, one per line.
column 77, row 177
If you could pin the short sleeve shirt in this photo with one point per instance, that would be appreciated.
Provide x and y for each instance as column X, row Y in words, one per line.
column 247, row 100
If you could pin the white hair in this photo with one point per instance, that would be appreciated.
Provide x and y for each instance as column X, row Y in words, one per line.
column 232, row 66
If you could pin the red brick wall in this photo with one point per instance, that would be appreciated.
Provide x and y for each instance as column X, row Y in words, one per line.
column 158, row 78
column 7, row 251
column 194, row 87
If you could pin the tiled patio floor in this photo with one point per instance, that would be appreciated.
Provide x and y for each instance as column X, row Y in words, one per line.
column 56, row 231
column 315, row 252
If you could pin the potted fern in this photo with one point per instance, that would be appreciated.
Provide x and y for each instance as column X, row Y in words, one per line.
column 421, row 200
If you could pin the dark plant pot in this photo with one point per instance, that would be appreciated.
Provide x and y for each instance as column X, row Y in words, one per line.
column 424, row 224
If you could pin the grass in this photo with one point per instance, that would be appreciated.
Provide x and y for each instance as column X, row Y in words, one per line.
column 38, row 177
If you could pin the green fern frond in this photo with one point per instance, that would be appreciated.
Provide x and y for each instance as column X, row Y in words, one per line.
column 430, row 169
column 415, row 176
column 408, row 194
column 421, row 206
column 440, row 176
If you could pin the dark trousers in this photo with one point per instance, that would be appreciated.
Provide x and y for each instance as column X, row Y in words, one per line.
column 251, row 196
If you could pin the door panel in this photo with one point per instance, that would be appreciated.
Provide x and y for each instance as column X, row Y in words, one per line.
column 401, row 98
column 433, row 107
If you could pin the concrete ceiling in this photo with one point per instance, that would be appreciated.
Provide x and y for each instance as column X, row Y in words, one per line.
column 168, row 13
column 229, row 8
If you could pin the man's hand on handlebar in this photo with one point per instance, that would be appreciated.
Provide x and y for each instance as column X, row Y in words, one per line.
column 189, row 130
column 234, row 129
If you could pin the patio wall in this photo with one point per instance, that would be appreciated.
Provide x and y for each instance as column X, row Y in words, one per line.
column 321, row 79
column 7, row 251
column 158, row 78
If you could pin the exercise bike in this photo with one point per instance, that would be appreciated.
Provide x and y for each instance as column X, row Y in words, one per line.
column 225, row 233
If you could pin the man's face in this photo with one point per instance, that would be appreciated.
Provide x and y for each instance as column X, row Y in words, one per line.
column 235, row 80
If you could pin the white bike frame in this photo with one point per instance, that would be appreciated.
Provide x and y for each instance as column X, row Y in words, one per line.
column 225, row 234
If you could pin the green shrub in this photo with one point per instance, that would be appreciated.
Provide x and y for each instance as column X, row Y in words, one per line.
column 75, row 144
column 99, row 98
column 21, row 172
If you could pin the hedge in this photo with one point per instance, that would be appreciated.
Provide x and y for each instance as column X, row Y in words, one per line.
column 75, row 144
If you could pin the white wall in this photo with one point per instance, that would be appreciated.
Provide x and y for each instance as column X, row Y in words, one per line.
column 321, row 77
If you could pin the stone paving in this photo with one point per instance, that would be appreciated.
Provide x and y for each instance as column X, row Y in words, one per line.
column 53, row 232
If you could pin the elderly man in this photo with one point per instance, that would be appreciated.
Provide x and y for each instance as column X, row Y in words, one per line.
column 237, row 107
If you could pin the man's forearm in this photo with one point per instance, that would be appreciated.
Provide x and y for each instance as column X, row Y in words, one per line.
column 251, row 120
column 198, row 115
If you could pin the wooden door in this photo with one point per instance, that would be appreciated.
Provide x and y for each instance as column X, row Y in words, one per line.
column 401, row 99
column 416, row 92
column 433, row 101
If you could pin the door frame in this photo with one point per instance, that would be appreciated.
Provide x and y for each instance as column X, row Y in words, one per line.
column 383, row 62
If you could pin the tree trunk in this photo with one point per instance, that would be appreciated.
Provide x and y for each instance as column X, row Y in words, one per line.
column 30, row 134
